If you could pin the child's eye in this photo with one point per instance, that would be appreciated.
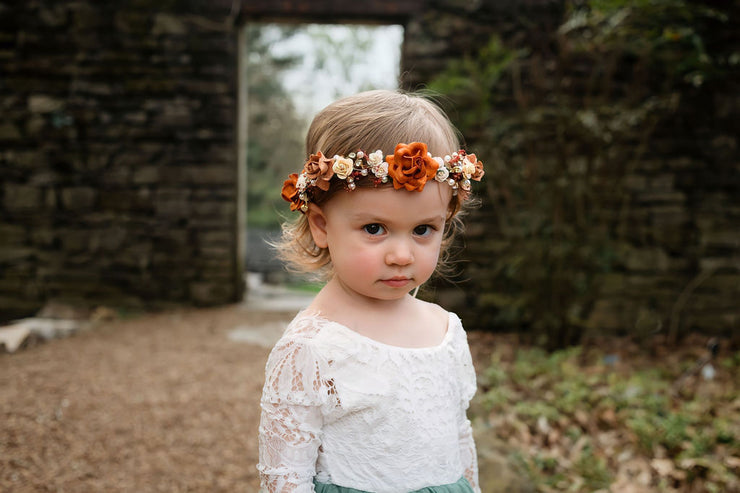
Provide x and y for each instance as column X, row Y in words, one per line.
column 423, row 230
column 373, row 229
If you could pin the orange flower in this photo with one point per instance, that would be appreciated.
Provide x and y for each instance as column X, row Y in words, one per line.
column 478, row 172
column 411, row 166
column 290, row 192
column 319, row 168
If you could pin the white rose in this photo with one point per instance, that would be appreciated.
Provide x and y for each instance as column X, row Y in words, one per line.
column 301, row 182
column 375, row 159
column 381, row 170
column 442, row 174
column 468, row 169
column 342, row 167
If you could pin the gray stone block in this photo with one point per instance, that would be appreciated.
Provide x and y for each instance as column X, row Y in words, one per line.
column 22, row 197
column 78, row 198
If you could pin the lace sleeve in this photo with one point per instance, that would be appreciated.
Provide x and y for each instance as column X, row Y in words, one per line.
column 290, row 426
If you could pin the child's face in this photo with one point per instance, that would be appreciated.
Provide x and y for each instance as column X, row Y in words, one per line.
column 384, row 242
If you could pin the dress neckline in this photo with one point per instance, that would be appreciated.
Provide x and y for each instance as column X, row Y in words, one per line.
column 374, row 342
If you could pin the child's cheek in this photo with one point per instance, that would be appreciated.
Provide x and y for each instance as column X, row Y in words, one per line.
column 367, row 263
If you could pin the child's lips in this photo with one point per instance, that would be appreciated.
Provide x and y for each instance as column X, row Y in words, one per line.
column 396, row 281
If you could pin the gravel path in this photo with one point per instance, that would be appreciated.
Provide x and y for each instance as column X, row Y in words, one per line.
column 164, row 402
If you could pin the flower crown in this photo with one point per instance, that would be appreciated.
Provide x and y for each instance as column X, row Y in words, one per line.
column 410, row 167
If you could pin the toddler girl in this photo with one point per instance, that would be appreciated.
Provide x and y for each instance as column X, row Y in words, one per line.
column 368, row 387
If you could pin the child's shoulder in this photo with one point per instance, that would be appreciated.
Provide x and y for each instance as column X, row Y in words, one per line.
column 432, row 313
column 300, row 338
column 305, row 326
column 310, row 328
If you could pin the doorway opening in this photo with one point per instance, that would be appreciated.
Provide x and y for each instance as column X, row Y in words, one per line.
column 288, row 73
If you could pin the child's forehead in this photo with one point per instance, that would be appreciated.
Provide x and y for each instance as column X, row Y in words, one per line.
column 431, row 202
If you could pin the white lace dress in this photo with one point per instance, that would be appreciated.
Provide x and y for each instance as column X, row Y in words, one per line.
column 347, row 410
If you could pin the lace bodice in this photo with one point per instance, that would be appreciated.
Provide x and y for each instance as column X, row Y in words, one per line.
column 355, row 412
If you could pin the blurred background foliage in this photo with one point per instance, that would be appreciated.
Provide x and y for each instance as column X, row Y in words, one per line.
column 561, row 221
column 275, row 129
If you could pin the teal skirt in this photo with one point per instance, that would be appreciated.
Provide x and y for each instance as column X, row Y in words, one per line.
column 462, row 486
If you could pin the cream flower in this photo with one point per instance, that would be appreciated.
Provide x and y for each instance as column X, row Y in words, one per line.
column 342, row 167
column 375, row 159
column 468, row 168
column 301, row 183
column 442, row 174
column 380, row 170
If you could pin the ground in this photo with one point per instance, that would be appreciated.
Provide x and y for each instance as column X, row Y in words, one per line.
column 158, row 402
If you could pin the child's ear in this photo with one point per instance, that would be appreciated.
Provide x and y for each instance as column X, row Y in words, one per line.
column 317, row 223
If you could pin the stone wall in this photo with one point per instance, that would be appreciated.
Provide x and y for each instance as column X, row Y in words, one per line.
column 679, row 267
column 118, row 173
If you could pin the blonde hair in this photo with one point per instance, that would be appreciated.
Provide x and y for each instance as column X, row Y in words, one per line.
column 370, row 121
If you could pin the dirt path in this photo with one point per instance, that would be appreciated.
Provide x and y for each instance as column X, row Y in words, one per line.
column 165, row 402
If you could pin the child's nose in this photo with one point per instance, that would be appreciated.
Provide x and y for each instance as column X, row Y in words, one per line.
column 399, row 253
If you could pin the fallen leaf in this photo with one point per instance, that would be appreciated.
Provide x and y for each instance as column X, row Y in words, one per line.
column 664, row 467
column 732, row 462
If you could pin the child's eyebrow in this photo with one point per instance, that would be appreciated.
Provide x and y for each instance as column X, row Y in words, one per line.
column 433, row 219
column 370, row 218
